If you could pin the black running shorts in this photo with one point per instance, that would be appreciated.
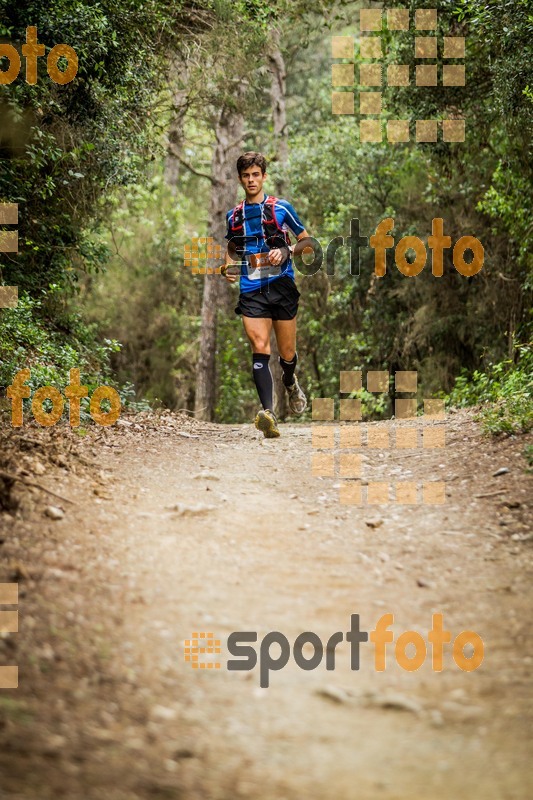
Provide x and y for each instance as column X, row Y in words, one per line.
column 276, row 300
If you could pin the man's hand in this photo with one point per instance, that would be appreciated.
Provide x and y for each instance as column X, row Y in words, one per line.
column 231, row 272
column 277, row 256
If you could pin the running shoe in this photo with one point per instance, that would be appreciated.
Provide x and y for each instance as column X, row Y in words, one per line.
column 297, row 399
column 266, row 422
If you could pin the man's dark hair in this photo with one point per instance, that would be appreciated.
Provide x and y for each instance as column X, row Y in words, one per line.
column 249, row 160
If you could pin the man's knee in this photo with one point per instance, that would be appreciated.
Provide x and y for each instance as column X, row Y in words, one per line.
column 260, row 346
column 287, row 353
column 260, row 341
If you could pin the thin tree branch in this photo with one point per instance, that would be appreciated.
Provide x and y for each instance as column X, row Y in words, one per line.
column 191, row 168
column 12, row 477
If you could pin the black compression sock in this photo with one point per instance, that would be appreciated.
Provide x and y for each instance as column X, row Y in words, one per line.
column 288, row 368
column 263, row 379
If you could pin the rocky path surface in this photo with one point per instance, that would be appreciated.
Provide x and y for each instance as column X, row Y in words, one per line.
column 179, row 527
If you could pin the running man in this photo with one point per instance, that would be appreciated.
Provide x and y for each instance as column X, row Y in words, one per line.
column 259, row 246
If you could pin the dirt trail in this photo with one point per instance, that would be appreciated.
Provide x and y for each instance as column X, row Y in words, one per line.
column 187, row 527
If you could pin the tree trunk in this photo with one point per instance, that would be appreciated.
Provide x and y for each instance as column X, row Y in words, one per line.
column 229, row 131
column 279, row 118
column 278, row 93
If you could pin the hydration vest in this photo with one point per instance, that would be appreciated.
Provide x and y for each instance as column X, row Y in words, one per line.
column 273, row 234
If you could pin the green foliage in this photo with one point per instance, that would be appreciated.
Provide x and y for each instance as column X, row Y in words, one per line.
column 147, row 299
column 528, row 455
column 507, row 388
column 438, row 326
column 69, row 153
column 27, row 342
column 65, row 148
column 237, row 398
column 84, row 162
column 506, row 203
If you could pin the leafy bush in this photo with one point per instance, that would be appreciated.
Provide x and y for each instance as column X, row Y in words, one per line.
column 27, row 340
column 507, row 388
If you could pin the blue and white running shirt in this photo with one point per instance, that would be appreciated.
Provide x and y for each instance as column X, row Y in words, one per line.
column 287, row 218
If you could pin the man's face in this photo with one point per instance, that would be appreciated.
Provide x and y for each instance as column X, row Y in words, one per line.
column 252, row 180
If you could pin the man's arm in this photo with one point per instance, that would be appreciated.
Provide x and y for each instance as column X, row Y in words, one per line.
column 229, row 260
column 232, row 276
column 299, row 247
column 277, row 256
column 293, row 222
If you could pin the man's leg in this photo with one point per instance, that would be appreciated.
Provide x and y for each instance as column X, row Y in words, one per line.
column 285, row 330
column 258, row 332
